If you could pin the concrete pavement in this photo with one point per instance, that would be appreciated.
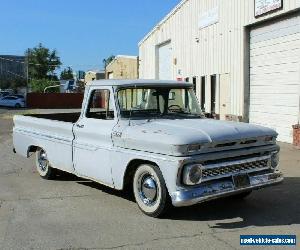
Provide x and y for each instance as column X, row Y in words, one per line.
column 71, row 213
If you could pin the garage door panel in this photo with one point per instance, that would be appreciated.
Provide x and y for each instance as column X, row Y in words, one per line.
column 275, row 119
column 281, row 77
column 276, row 58
column 270, row 69
column 283, row 23
column 274, row 110
column 283, row 32
column 275, row 76
column 278, row 27
column 280, row 89
column 265, row 100
column 277, row 48
column 278, row 41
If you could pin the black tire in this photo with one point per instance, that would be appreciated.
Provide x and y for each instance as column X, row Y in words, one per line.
column 147, row 176
column 242, row 195
column 43, row 166
column 17, row 105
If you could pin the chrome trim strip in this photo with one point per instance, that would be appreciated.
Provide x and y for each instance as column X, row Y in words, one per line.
column 191, row 196
column 45, row 136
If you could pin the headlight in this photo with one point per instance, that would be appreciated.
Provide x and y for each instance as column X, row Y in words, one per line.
column 270, row 139
column 192, row 174
column 193, row 147
column 274, row 159
column 187, row 148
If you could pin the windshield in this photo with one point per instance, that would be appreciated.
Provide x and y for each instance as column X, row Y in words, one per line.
column 150, row 102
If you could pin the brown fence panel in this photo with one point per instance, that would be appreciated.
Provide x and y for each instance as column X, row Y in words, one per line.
column 54, row 100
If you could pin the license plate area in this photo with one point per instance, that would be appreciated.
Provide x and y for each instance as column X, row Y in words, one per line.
column 241, row 181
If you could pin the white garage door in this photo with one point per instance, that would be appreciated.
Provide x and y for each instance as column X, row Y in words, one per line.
column 275, row 76
column 165, row 61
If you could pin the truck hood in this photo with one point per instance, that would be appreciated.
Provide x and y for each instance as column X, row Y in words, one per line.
column 165, row 136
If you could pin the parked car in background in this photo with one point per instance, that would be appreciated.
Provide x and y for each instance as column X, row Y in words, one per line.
column 22, row 97
column 12, row 101
column 19, row 96
column 4, row 93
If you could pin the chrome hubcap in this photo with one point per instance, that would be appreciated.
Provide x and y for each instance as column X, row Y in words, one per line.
column 42, row 160
column 147, row 188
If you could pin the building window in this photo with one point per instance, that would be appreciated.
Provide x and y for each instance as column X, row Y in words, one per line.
column 195, row 84
column 203, row 93
column 213, row 93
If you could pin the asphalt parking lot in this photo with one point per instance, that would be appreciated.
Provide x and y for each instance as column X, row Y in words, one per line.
column 71, row 213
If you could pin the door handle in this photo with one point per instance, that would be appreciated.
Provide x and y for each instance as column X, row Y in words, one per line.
column 79, row 125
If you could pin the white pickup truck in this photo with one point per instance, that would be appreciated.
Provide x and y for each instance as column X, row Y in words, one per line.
column 151, row 135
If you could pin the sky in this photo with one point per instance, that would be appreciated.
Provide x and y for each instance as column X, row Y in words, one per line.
column 84, row 32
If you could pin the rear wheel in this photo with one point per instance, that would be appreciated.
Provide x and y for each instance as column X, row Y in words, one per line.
column 43, row 166
column 17, row 105
column 150, row 190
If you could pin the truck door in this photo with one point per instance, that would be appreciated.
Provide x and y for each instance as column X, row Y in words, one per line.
column 92, row 143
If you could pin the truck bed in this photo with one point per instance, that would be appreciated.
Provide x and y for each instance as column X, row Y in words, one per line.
column 52, row 132
column 63, row 117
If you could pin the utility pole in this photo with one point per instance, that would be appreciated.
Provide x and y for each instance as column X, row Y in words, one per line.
column 27, row 70
column 1, row 69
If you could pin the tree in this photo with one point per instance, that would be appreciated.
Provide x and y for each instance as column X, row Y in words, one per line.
column 42, row 62
column 39, row 85
column 108, row 60
column 67, row 74
column 12, row 83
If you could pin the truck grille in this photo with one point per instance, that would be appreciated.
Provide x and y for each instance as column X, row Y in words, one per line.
column 222, row 171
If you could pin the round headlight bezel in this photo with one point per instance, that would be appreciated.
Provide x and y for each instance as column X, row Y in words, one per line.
column 192, row 174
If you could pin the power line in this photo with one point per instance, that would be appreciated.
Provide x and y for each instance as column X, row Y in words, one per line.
column 13, row 73
column 56, row 65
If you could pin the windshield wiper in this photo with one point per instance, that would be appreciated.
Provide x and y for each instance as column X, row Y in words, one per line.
column 183, row 114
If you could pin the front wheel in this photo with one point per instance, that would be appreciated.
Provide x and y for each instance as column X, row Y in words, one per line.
column 150, row 190
column 43, row 166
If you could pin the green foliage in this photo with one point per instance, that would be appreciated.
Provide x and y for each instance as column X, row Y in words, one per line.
column 12, row 83
column 67, row 74
column 38, row 85
column 42, row 62
column 108, row 60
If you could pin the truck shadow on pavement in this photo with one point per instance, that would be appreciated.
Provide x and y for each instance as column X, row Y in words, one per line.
column 273, row 206
column 124, row 194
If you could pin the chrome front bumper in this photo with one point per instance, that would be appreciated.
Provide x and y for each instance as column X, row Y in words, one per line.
column 222, row 188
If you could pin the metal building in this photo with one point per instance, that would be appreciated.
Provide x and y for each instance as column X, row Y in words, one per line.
column 122, row 67
column 243, row 57
column 12, row 67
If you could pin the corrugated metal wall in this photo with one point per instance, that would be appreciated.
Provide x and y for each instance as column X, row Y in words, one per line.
column 217, row 49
